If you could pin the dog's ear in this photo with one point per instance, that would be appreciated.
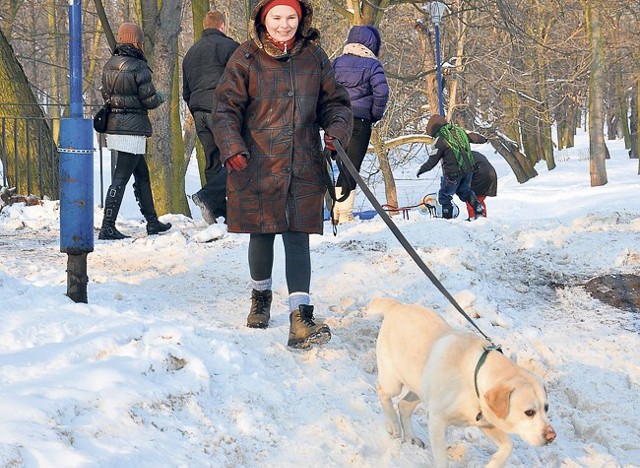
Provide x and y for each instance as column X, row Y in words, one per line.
column 498, row 399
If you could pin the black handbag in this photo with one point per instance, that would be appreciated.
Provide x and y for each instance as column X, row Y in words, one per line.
column 101, row 118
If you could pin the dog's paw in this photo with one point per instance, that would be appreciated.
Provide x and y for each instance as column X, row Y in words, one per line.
column 393, row 430
column 456, row 452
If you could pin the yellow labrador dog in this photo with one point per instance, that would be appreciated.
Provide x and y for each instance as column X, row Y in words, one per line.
column 459, row 382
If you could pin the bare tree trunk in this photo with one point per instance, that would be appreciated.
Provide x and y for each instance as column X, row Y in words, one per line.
column 638, row 123
column 529, row 129
column 166, row 150
column 427, row 53
column 543, row 120
column 27, row 135
column 518, row 162
column 512, row 112
column 14, row 7
column 54, row 53
column 383, row 159
column 190, row 139
column 104, row 21
column 462, row 27
column 612, row 114
column 199, row 9
column 623, row 102
column 633, row 122
column 597, row 147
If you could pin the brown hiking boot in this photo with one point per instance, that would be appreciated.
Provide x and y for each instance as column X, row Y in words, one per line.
column 303, row 331
column 260, row 309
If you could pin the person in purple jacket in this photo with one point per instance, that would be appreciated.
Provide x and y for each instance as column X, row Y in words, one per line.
column 362, row 74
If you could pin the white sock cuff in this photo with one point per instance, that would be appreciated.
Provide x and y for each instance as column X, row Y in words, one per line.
column 261, row 285
column 298, row 298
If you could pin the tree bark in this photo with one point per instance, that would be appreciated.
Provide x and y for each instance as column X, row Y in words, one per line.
column 597, row 146
column 27, row 137
column 104, row 21
column 383, row 159
column 518, row 162
column 199, row 9
column 166, row 149
column 633, row 122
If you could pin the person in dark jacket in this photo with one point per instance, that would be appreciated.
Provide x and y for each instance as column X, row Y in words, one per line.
column 484, row 183
column 276, row 92
column 362, row 74
column 202, row 68
column 127, row 85
column 452, row 148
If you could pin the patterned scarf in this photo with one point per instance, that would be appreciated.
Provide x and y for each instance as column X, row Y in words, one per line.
column 458, row 141
column 360, row 50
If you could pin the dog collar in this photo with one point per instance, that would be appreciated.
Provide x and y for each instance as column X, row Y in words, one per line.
column 481, row 361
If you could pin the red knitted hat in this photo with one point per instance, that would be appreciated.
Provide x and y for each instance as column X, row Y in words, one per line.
column 295, row 4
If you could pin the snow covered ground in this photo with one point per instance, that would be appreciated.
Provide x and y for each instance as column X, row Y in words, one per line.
column 158, row 369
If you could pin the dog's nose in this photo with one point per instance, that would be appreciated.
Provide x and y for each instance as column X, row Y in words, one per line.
column 549, row 434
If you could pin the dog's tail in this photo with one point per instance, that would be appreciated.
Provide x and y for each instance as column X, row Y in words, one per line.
column 379, row 305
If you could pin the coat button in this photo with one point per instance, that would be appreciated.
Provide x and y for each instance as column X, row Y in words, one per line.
column 286, row 169
column 290, row 93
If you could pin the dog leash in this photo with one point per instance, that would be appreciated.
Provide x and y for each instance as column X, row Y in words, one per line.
column 402, row 239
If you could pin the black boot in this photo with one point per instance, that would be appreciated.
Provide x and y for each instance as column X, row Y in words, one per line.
column 145, row 202
column 112, row 204
column 303, row 331
column 447, row 211
column 156, row 227
column 260, row 309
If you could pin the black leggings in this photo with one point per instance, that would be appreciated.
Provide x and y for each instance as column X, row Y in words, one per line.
column 297, row 259
column 128, row 164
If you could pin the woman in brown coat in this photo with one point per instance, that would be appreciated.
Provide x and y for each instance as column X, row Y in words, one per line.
column 277, row 91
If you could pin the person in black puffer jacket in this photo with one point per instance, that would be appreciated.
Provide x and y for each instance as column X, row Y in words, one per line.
column 127, row 85
column 202, row 68
column 362, row 74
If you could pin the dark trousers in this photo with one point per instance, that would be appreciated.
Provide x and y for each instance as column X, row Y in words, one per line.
column 356, row 150
column 214, row 191
column 128, row 164
column 297, row 259
column 459, row 185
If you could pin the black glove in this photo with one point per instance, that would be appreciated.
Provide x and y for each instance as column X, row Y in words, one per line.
column 422, row 170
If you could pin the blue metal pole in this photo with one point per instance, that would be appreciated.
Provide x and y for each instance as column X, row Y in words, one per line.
column 75, row 147
column 75, row 57
column 439, row 71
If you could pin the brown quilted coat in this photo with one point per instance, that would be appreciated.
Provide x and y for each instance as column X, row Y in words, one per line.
column 270, row 106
